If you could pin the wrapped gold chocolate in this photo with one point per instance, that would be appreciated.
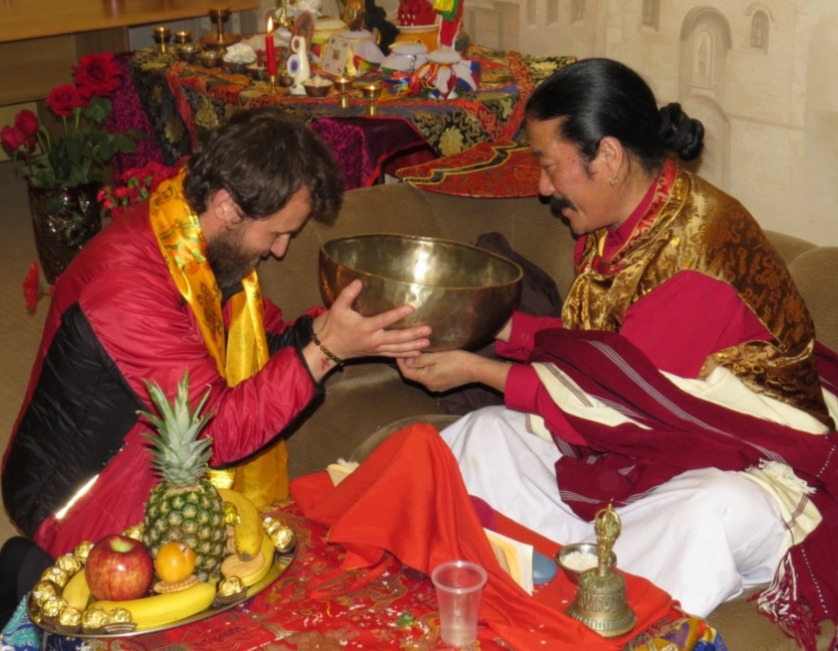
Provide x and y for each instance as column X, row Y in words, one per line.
column 135, row 532
column 43, row 590
column 70, row 616
column 282, row 537
column 230, row 586
column 119, row 616
column 55, row 574
column 69, row 563
column 82, row 550
column 231, row 514
column 93, row 619
column 52, row 606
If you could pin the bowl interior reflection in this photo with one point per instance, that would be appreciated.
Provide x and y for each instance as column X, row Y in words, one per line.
column 463, row 292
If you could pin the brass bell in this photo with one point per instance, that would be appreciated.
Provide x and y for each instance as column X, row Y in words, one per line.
column 601, row 602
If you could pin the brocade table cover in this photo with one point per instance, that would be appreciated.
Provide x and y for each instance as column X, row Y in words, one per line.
column 317, row 605
column 183, row 99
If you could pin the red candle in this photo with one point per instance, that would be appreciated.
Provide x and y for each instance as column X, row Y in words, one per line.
column 270, row 49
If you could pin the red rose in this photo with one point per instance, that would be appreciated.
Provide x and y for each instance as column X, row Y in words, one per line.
column 126, row 192
column 97, row 75
column 63, row 99
column 27, row 122
column 12, row 138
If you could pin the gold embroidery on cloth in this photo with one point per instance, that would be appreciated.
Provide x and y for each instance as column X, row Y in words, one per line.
column 691, row 225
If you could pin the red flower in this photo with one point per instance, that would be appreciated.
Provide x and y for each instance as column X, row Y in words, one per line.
column 63, row 99
column 126, row 192
column 12, row 138
column 97, row 75
column 31, row 286
column 27, row 122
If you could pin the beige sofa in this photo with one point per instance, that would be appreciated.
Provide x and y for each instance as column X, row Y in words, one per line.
column 368, row 400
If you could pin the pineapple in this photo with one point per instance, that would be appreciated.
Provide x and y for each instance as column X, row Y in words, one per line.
column 184, row 506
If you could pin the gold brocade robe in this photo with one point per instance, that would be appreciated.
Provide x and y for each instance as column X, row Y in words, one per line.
column 692, row 225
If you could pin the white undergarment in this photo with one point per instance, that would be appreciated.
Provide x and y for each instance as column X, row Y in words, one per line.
column 704, row 536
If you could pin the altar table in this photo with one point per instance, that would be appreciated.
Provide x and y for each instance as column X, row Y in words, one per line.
column 183, row 99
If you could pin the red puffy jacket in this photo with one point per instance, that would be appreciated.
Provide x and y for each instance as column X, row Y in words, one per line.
column 117, row 319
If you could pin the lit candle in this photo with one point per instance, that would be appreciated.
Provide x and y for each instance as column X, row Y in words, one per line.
column 270, row 49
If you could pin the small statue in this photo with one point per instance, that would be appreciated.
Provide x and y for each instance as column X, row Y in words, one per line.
column 353, row 14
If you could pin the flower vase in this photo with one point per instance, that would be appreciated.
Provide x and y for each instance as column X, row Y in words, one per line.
column 64, row 219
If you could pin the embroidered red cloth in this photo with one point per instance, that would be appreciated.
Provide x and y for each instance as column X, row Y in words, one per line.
column 490, row 170
column 318, row 603
column 408, row 498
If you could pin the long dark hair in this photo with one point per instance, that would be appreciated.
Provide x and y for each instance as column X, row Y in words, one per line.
column 262, row 157
column 601, row 97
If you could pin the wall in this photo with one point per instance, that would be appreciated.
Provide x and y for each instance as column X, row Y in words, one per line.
column 759, row 75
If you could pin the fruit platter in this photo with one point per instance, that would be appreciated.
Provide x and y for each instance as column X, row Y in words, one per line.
column 201, row 548
column 66, row 599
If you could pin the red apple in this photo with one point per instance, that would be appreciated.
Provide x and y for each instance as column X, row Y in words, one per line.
column 119, row 568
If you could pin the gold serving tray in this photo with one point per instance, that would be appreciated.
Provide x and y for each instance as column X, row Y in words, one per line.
column 281, row 563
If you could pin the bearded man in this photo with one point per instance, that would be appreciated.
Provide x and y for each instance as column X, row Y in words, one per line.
column 172, row 286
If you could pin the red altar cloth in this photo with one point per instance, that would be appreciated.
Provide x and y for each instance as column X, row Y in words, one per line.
column 408, row 499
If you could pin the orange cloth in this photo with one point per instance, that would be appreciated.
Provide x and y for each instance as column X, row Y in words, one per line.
column 408, row 498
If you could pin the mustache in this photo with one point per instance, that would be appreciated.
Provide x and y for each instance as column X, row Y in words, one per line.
column 557, row 205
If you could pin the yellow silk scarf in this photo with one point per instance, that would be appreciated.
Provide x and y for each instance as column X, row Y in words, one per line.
column 240, row 351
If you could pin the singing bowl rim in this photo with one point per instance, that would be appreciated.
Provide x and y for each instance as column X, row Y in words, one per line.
column 425, row 238
column 509, row 289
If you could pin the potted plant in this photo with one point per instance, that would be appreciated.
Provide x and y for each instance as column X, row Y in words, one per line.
column 65, row 171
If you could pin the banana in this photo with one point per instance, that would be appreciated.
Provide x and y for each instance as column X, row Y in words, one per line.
column 76, row 591
column 162, row 609
column 249, row 532
column 267, row 550
column 234, row 566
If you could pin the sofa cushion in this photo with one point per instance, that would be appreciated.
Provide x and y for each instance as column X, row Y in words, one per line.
column 811, row 271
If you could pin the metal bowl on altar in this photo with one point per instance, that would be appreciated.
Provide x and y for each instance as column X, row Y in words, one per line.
column 463, row 292
column 576, row 558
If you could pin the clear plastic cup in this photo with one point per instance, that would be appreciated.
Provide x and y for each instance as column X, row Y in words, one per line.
column 459, row 588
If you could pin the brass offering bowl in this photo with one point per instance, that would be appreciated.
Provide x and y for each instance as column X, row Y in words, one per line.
column 317, row 86
column 463, row 292
column 210, row 58
column 343, row 84
column 573, row 551
column 371, row 91
column 188, row 51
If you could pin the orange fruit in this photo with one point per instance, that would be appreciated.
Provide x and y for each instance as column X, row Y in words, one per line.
column 175, row 561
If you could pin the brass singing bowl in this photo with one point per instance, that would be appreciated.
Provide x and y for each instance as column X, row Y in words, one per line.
column 463, row 292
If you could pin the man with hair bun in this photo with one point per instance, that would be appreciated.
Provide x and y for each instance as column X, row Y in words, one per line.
column 681, row 383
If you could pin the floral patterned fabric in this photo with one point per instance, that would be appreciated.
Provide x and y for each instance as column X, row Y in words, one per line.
column 184, row 99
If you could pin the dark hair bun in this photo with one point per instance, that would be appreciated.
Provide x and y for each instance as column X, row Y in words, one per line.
column 680, row 133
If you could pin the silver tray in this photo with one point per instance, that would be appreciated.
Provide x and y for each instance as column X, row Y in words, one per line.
column 281, row 563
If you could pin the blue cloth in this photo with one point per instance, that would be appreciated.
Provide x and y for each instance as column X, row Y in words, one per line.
column 20, row 632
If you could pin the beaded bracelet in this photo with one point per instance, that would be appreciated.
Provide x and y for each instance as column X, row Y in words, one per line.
column 328, row 353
